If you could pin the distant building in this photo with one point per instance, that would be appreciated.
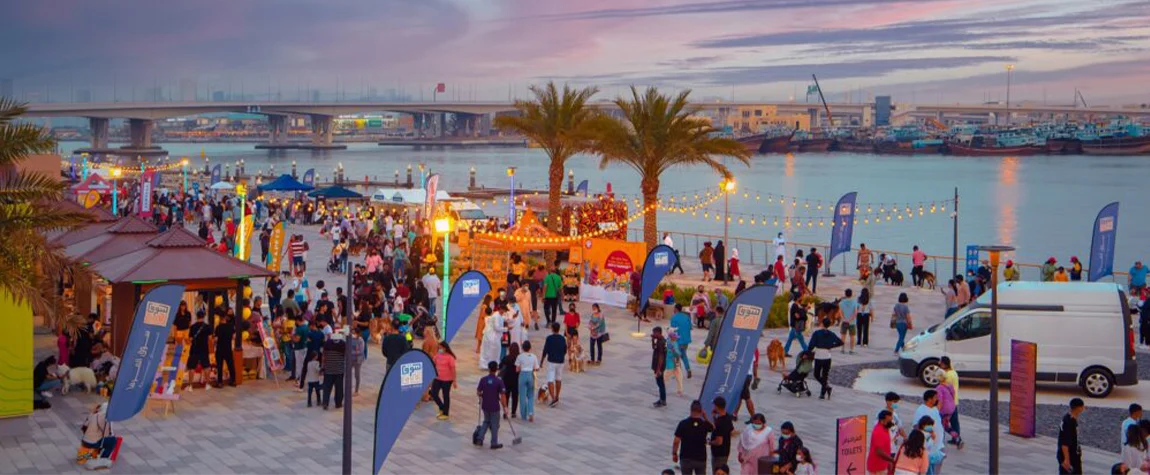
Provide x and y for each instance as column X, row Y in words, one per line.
column 882, row 107
column 6, row 87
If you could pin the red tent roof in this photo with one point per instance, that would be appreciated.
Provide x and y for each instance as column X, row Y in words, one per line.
column 124, row 236
column 176, row 255
column 95, row 182
column 101, row 220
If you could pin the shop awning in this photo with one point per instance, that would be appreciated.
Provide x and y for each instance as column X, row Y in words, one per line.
column 176, row 255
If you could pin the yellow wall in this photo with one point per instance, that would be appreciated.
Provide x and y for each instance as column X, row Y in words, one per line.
column 15, row 358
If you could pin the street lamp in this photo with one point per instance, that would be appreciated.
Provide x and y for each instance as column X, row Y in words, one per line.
column 116, row 172
column 242, row 193
column 728, row 187
column 443, row 225
column 511, row 174
column 184, row 167
column 85, row 157
column 995, row 253
column 1009, row 68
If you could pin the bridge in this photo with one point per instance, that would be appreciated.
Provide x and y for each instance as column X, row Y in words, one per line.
column 475, row 116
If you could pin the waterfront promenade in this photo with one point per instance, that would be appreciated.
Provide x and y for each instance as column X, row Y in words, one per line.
column 604, row 424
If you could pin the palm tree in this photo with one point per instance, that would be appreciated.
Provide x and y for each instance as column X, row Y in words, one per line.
column 659, row 132
column 29, row 265
column 562, row 125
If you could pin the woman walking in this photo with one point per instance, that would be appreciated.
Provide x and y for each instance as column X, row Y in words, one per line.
column 865, row 310
column 527, row 364
column 598, row 327
column 913, row 459
column 901, row 320
column 509, row 373
column 754, row 443
column 950, row 292
column 1134, row 453
column 674, row 365
column 444, row 380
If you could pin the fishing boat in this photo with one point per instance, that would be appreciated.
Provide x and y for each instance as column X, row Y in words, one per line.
column 1117, row 137
column 1009, row 142
column 856, row 145
column 752, row 142
column 778, row 139
column 804, row 141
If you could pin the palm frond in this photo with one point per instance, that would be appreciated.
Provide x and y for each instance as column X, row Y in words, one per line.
column 30, row 187
column 10, row 109
column 20, row 140
column 23, row 217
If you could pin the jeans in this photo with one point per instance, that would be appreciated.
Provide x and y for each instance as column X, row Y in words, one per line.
column 950, row 311
column 693, row 467
column 431, row 303
column 289, row 357
column 822, row 373
column 863, row 336
column 316, row 386
column 527, row 394
column 107, row 445
column 490, row 421
column 399, row 268
column 792, row 336
column 812, row 280
column 593, row 343
column 901, row 327
column 551, row 308
column 333, row 381
column 954, row 427
column 683, row 355
column 366, row 334
column 662, row 387
column 441, row 394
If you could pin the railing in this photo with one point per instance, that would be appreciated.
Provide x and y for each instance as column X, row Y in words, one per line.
column 689, row 245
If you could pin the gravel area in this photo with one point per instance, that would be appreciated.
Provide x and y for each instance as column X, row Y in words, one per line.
column 1097, row 427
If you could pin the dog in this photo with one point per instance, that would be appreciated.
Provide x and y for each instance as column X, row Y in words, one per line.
column 928, row 280
column 576, row 361
column 828, row 310
column 80, row 375
column 776, row 357
column 896, row 278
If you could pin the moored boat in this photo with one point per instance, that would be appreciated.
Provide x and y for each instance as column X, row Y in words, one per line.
column 1124, row 145
column 967, row 150
column 752, row 142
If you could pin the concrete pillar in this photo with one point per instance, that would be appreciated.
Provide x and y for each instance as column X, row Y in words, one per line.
column 140, row 131
column 442, row 124
column 471, row 179
column 321, row 128
column 99, row 126
column 277, row 129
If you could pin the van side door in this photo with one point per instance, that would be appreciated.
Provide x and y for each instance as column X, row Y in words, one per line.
column 968, row 344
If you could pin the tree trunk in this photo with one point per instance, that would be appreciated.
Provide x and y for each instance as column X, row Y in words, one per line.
column 650, row 189
column 554, row 189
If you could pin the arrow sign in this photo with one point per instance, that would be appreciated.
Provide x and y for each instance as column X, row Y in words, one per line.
column 850, row 447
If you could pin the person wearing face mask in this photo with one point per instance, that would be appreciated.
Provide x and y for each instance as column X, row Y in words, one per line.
column 689, row 449
column 935, row 432
column 897, row 435
column 721, row 436
column 755, row 443
column 879, row 460
column 789, row 445
column 444, row 380
column 806, row 463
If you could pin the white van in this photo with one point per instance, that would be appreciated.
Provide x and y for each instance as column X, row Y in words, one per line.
column 1083, row 331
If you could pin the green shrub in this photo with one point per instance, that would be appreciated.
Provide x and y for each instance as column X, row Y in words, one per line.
column 780, row 309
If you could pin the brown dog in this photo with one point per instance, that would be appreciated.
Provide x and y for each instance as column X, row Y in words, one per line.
column 928, row 279
column 775, row 354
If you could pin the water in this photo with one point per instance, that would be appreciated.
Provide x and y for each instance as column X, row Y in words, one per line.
column 1043, row 205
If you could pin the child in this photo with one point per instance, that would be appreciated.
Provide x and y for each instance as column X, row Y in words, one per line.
column 668, row 297
column 806, row 464
column 674, row 361
column 571, row 320
column 314, row 376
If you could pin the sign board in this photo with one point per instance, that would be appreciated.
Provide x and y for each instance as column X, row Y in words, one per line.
column 971, row 258
column 850, row 445
column 1023, row 368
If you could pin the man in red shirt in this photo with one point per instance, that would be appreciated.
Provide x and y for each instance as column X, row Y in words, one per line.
column 918, row 258
column 878, row 460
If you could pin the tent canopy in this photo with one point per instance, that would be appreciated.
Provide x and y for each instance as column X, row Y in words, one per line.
column 406, row 196
column 285, row 182
column 223, row 185
column 528, row 234
column 336, row 191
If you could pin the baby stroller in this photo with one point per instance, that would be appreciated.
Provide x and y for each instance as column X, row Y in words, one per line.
column 422, row 320
column 333, row 265
column 796, row 381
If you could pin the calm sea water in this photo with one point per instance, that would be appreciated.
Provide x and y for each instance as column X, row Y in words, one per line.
column 1043, row 205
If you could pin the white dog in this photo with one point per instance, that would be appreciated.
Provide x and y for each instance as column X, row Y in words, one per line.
column 83, row 376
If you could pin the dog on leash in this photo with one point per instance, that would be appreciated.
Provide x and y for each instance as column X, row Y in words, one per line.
column 776, row 357
column 928, row 280
column 80, row 375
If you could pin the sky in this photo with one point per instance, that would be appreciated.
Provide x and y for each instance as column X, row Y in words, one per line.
column 927, row 51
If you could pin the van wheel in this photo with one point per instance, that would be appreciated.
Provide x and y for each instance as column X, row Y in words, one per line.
column 928, row 373
column 1097, row 382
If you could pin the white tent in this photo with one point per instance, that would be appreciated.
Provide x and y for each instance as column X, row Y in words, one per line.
column 405, row 196
column 223, row 185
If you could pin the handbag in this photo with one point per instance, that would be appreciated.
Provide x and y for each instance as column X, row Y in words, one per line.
column 604, row 338
column 893, row 320
column 704, row 356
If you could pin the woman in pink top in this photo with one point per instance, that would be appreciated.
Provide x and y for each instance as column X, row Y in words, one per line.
column 913, row 457
column 444, row 380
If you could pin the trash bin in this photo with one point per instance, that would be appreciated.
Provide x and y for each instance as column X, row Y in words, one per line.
column 768, row 464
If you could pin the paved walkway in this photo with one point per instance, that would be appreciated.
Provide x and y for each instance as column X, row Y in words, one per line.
column 604, row 424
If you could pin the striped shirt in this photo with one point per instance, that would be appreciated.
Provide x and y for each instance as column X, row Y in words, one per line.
column 333, row 357
column 297, row 248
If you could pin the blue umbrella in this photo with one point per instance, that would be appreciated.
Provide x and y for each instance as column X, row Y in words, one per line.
column 285, row 182
column 335, row 192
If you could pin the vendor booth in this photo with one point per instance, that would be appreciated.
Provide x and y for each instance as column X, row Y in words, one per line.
column 606, row 266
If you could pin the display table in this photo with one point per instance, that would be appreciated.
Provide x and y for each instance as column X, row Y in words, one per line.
column 600, row 295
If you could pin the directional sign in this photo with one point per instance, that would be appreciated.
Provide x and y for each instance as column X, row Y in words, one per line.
column 850, row 448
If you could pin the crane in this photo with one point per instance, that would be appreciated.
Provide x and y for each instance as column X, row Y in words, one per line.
column 824, row 100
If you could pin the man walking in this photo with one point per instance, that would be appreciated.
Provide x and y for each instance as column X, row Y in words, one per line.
column 1069, row 453
column 434, row 287
column 552, row 285
column 721, row 436
column 797, row 323
column 659, row 363
column 555, row 354
column 814, row 262
column 823, row 341
column 671, row 244
column 492, row 398
column 690, row 447
column 918, row 258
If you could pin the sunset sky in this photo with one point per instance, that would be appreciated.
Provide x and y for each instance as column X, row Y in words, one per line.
column 926, row 51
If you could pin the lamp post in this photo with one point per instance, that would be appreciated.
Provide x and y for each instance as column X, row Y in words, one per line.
column 242, row 193
column 116, row 190
column 443, row 225
column 1009, row 68
column 422, row 176
column 184, row 168
column 995, row 253
column 727, row 186
column 85, row 157
column 511, row 218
